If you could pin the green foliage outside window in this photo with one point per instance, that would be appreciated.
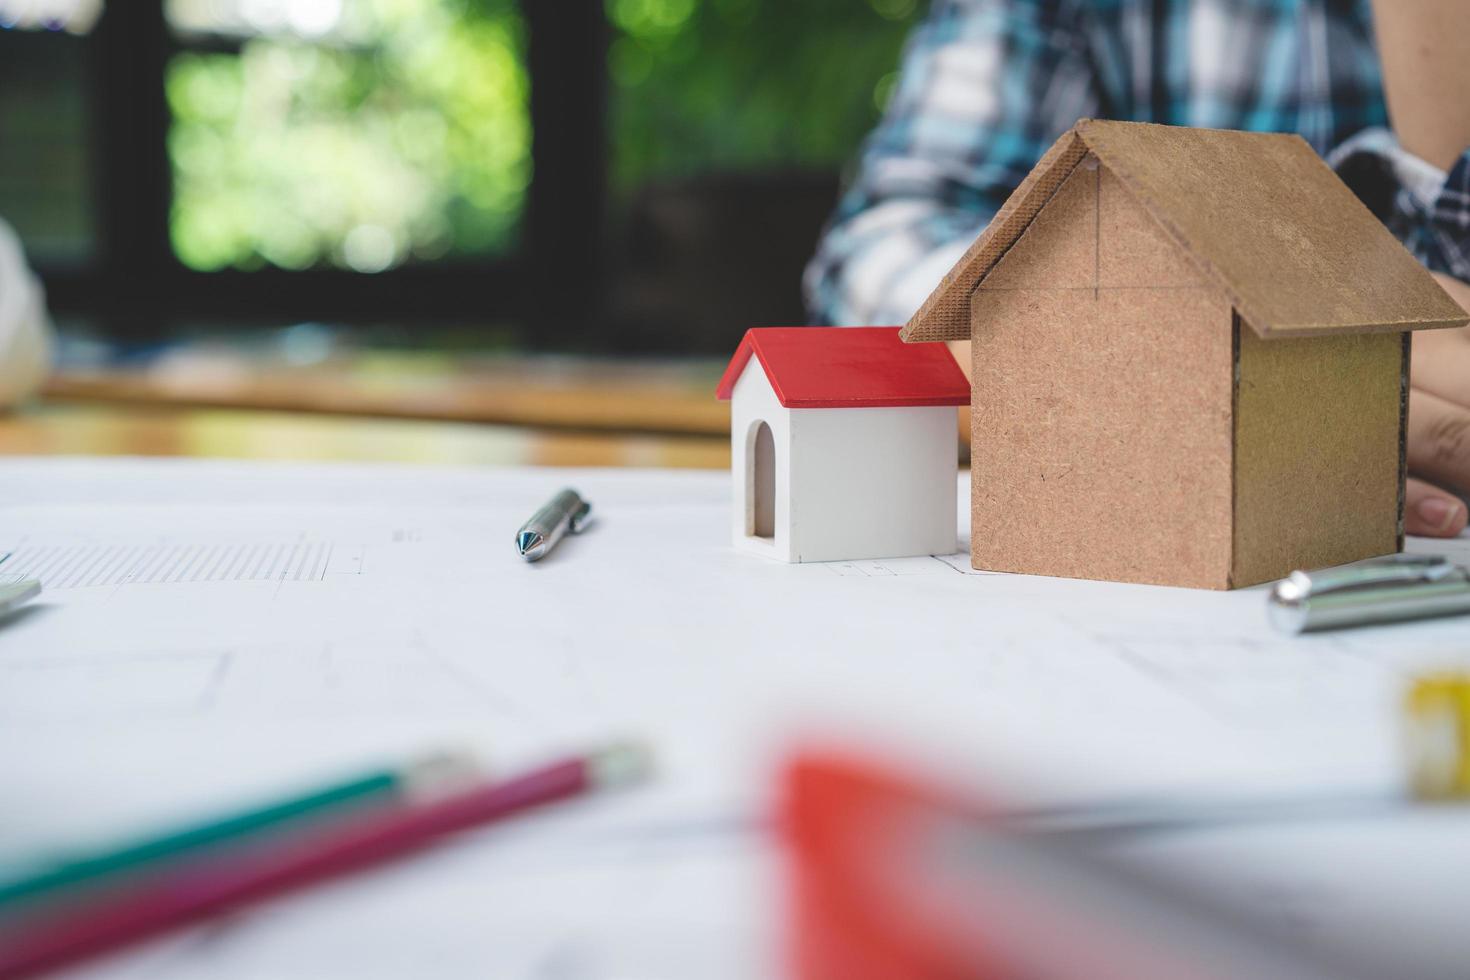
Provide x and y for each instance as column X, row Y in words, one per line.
column 747, row 85
column 405, row 137
column 403, row 133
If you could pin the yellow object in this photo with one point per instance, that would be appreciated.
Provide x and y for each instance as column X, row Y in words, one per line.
column 1437, row 736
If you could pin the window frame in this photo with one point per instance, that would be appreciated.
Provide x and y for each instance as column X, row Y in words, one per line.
column 135, row 289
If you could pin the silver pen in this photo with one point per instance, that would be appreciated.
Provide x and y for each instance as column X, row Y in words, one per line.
column 1384, row 590
column 16, row 593
column 567, row 511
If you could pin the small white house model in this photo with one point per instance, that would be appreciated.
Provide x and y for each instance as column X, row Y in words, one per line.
column 843, row 444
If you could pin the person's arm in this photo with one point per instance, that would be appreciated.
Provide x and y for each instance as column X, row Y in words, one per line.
column 1424, row 46
column 1425, row 49
column 986, row 87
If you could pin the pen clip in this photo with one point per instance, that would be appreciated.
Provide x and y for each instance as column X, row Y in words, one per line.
column 1404, row 570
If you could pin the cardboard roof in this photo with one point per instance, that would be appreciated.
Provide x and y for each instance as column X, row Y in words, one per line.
column 1261, row 215
column 848, row 367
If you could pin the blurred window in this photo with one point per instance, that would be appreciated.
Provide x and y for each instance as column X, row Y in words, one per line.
column 360, row 134
column 45, row 177
column 230, row 162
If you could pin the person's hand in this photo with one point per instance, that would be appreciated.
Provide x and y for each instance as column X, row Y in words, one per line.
column 1439, row 426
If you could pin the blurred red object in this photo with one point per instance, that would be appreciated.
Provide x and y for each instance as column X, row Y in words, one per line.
column 895, row 879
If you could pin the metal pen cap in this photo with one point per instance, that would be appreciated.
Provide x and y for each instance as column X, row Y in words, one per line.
column 566, row 512
column 1380, row 591
column 16, row 593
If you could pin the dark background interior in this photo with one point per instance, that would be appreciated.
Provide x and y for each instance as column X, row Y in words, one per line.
column 635, row 176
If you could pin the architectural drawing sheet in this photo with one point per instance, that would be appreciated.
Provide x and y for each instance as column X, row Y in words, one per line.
column 212, row 633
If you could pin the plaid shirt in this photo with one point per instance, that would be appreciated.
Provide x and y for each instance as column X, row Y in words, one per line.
column 988, row 85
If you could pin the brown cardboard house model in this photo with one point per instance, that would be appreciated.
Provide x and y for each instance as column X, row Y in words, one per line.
column 1190, row 362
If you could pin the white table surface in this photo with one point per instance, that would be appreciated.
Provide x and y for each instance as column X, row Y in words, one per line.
column 225, row 631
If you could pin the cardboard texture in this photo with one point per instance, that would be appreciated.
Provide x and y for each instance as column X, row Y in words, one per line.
column 1070, row 354
column 1317, row 462
column 1262, row 217
column 1064, row 482
column 1131, row 420
column 945, row 315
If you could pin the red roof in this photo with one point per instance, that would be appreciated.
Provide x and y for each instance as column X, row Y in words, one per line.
column 848, row 367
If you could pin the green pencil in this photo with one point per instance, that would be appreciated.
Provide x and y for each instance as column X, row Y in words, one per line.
column 373, row 788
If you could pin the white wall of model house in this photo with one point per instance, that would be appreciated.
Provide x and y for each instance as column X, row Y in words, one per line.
column 838, row 484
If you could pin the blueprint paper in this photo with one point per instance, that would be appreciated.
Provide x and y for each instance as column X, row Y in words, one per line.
column 212, row 633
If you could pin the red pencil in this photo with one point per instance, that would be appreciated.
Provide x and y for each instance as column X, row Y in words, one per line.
column 211, row 885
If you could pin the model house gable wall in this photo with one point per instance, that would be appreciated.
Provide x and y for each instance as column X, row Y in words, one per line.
column 753, row 403
column 1093, row 234
column 1103, row 372
column 1101, row 435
